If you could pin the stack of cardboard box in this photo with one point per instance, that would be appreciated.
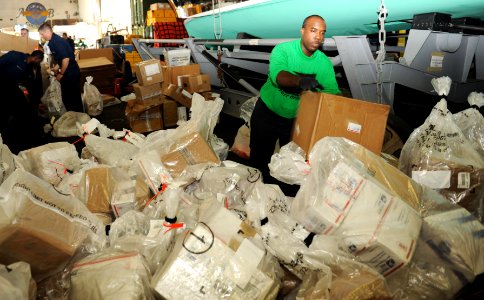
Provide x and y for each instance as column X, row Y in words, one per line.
column 151, row 110
column 182, row 81
column 133, row 57
column 159, row 12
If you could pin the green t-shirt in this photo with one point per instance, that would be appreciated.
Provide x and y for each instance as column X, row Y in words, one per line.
column 290, row 57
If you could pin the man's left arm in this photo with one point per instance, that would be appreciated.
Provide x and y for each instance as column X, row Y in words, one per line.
column 63, row 68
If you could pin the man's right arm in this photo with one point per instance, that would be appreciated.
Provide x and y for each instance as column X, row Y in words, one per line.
column 285, row 79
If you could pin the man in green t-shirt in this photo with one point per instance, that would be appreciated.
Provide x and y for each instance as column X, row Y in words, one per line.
column 294, row 66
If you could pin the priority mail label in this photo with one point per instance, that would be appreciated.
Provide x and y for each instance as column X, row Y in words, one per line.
column 354, row 127
column 463, row 180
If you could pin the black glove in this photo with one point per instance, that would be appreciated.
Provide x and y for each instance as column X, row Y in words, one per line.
column 308, row 83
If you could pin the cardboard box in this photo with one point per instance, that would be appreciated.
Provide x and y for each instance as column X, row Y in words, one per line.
column 177, row 57
column 170, row 74
column 170, row 113
column 190, row 150
column 47, row 226
column 95, row 53
column 376, row 226
column 43, row 252
column 149, row 72
column 195, row 83
column 159, row 5
column 322, row 115
column 99, row 188
column 391, row 178
column 178, row 94
column 10, row 42
column 145, row 92
column 102, row 70
column 157, row 13
column 144, row 118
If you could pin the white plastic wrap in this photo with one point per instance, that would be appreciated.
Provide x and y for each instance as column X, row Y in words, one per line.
column 206, row 268
column 241, row 145
column 471, row 123
column 203, row 116
column 219, row 147
column 7, row 161
column 447, row 258
column 344, row 197
column 442, row 85
column 102, row 149
column 166, row 143
column 247, row 108
column 92, row 98
column 52, row 162
column 111, row 274
column 68, row 124
column 438, row 155
column 130, row 193
column 231, row 182
column 178, row 163
column 309, row 256
column 53, row 98
column 16, row 282
column 42, row 227
column 476, row 99
column 289, row 164
column 152, row 237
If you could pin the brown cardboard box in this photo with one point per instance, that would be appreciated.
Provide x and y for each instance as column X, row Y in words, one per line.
column 99, row 188
column 176, row 93
column 94, row 53
column 102, row 70
column 10, row 42
column 391, row 177
column 170, row 113
column 196, row 83
column 171, row 73
column 48, row 226
column 322, row 115
column 149, row 72
column 44, row 252
column 145, row 92
column 144, row 118
column 192, row 149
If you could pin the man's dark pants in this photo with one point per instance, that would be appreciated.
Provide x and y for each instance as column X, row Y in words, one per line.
column 266, row 127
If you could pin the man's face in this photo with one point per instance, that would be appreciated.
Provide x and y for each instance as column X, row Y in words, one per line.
column 46, row 34
column 312, row 35
column 24, row 33
column 34, row 61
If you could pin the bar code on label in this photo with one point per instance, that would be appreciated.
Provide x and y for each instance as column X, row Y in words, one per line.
column 463, row 180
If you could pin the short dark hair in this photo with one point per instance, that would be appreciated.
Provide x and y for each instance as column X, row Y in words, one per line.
column 309, row 17
column 45, row 26
column 37, row 54
column 26, row 29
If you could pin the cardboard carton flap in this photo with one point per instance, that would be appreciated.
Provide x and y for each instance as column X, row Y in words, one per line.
column 322, row 115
